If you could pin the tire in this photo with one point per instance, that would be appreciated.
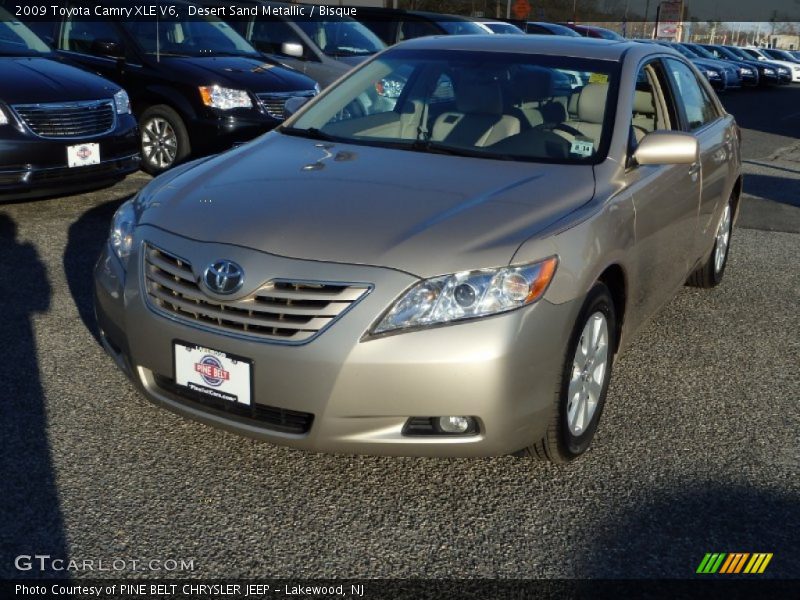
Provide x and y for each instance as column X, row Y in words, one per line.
column 566, row 439
column 710, row 273
column 163, row 139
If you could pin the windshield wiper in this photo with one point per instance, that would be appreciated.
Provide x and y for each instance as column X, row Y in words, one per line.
column 311, row 133
column 437, row 148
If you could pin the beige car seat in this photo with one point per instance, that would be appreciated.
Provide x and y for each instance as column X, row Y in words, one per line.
column 478, row 119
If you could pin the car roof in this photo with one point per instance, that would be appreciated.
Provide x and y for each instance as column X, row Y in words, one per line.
column 533, row 44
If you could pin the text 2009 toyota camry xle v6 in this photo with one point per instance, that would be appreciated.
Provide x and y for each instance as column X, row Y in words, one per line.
column 61, row 129
column 448, row 269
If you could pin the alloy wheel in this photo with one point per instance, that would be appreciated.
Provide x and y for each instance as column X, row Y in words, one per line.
column 723, row 238
column 159, row 143
column 589, row 371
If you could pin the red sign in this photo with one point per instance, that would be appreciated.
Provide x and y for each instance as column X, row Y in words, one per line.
column 521, row 9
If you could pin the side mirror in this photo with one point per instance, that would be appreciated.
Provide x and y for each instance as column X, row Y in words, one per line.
column 667, row 148
column 292, row 49
column 107, row 48
column 293, row 104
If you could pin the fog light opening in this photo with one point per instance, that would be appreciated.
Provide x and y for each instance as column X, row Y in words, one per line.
column 441, row 426
column 454, row 424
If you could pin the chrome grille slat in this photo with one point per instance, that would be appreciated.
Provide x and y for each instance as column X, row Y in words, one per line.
column 272, row 103
column 73, row 120
column 347, row 294
column 285, row 311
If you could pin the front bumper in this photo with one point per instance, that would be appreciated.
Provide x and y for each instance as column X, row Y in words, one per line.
column 31, row 166
column 216, row 131
column 501, row 370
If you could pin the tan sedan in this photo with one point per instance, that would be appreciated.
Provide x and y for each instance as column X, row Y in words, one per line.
column 440, row 255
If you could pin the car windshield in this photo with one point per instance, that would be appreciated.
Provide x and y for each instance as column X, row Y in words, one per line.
column 740, row 52
column 607, row 34
column 17, row 40
column 341, row 37
column 200, row 37
column 685, row 51
column 699, row 50
column 462, row 28
column 504, row 28
column 728, row 53
column 484, row 104
column 780, row 54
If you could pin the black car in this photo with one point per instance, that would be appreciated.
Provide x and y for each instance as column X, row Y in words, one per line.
column 61, row 129
column 748, row 73
column 196, row 85
column 767, row 72
column 546, row 28
column 394, row 26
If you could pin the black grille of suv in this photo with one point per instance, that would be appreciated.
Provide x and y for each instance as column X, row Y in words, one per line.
column 68, row 120
column 272, row 103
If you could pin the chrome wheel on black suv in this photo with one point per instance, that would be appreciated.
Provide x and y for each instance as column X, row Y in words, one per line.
column 164, row 139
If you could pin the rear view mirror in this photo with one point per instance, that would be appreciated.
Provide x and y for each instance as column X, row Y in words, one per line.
column 107, row 48
column 293, row 104
column 667, row 148
column 292, row 49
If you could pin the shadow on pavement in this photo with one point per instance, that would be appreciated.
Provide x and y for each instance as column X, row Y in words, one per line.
column 84, row 244
column 784, row 190
column 700, row 518
column 31, row 521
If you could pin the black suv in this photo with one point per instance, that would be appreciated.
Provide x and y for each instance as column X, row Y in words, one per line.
column 61, row 129
column 196, row 85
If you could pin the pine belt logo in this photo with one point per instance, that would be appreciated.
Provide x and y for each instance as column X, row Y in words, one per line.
column 733, row 563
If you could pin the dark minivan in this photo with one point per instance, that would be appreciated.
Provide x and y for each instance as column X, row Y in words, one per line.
column 196, row 85
column 61, row 129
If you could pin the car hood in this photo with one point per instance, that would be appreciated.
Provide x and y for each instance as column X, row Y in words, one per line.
column 239, row 72
column 352, row 61
column 38, row 79
column 425, row 214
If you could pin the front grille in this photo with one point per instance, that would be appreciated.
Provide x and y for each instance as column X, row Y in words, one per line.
column 281, row 310
column 72, row 120
column 277, row 419
column 272, row 103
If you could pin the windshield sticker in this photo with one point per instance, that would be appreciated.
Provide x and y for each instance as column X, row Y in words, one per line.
column 598, row 78
column 582, row 147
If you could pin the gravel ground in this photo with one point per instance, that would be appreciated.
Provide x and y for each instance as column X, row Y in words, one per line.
column 697, row 451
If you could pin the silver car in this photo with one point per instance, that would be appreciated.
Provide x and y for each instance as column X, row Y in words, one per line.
column 440, row 255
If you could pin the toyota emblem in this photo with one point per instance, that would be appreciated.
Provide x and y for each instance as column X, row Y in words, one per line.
column 223, row 277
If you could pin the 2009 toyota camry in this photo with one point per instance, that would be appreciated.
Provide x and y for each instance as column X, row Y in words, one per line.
column 440, row 255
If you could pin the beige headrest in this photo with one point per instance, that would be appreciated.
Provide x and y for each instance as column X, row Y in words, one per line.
column 592, row 103
column 643, row 103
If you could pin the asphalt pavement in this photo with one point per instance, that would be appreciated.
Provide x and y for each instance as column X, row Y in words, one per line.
column 697, row 451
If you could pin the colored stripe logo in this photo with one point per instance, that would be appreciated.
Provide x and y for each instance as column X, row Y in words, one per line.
column 733, row 563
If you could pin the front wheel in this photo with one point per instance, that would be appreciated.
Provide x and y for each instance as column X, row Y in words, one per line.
column 164, row 139
column 710, row 273
column 582, row 389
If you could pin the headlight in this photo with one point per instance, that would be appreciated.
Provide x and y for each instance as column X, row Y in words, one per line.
column 782, row 70
column 769, row 71
column 122, row 102
column 122, row 227
column 712, row 74
column 745, row 71
column 468, row 295
column 224, row 98
column 317, row 89
column 3, row 117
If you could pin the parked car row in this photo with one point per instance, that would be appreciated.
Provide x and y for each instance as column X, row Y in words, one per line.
column 195, row 87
